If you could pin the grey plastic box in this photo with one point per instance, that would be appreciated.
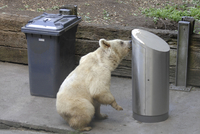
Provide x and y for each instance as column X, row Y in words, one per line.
column 150, row 77
column 50, row 40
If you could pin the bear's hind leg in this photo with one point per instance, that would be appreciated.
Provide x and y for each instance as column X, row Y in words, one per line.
column 80, row 122
column 81, row 115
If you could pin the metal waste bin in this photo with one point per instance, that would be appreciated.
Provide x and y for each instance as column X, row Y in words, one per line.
column 150, row 77
column 50, row 40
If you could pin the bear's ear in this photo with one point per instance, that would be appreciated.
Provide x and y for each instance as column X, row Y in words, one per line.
column 104, row 43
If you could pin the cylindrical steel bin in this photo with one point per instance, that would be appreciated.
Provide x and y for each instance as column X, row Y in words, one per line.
column 150, row 77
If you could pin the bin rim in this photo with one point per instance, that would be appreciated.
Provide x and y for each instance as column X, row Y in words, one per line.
column 30, row 30
column 164, row 48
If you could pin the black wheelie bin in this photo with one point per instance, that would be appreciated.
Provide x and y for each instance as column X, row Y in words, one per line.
column 51, row 48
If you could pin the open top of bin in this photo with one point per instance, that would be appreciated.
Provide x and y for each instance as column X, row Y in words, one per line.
column 150, row 40
column 51, row 24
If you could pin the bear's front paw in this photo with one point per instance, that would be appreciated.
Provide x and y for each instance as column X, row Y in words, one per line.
column 119, row 108
column 116, row 106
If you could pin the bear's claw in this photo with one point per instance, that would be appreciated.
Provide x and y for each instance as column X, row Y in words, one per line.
column 119, row 108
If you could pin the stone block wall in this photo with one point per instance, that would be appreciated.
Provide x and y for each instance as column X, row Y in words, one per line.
column 13, row 47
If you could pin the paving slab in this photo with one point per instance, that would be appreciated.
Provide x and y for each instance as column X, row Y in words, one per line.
column 19, row 132
column 19, row 109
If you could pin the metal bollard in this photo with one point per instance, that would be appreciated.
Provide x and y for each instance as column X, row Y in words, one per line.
column 185, row 29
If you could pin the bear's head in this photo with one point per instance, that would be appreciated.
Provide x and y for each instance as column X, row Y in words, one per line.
column 115, row 50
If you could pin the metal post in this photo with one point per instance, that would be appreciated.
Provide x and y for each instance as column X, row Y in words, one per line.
column 185, row 29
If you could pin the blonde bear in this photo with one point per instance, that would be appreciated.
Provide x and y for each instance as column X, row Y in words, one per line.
column 88, row 85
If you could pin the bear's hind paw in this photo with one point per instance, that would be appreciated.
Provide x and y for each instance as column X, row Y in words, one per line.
column 85, row 129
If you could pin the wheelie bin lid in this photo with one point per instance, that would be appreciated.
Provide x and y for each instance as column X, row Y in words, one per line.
column 51, row 24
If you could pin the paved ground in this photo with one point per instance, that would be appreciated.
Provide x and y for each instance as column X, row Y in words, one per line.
column 19, row 132
column 21, row 113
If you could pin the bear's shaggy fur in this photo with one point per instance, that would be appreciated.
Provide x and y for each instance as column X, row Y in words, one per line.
column 88, row 86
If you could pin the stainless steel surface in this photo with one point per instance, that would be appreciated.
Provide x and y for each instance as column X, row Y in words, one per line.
column 150, row 74
column 151, row 119
column 182, row 53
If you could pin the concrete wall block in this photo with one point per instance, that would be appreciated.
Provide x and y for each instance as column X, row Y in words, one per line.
column 12, row 22
column 15, row 55
column 13, row 39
